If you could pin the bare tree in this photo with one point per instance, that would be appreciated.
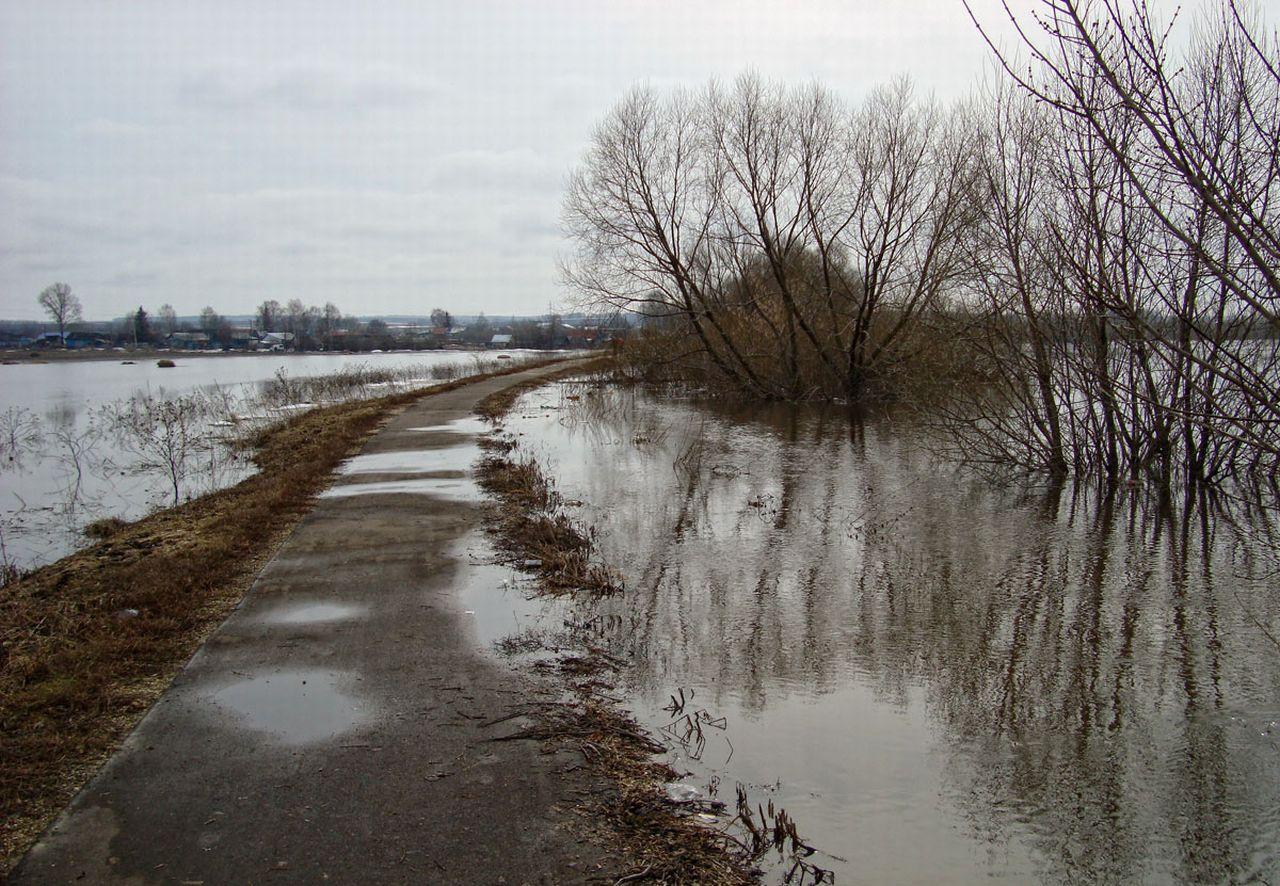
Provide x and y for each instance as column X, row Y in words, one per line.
column 1193, row 142
column 300, row 320
column 912, row 204
column 328, row 322
column 643, row 210
column 798, row 242
column 167, row 319
column 165, row 434
column 268, row 315
column 62, row 306
column 210, row 321
column 1074, row 273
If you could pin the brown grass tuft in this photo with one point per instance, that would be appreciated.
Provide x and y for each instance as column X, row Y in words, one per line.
column 105, row 528
column 534, row 535
column 661, row 845
column 498, row 404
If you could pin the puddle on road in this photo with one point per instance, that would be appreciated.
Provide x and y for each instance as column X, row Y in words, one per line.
column 311, row 613
column 456, row 489
column 499, row 603
column 472, row 426
column 296, row 707
column 939, row 679
column 413, row 461
column 442, row 472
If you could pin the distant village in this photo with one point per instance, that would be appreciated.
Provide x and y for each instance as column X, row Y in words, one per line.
column 293, row 328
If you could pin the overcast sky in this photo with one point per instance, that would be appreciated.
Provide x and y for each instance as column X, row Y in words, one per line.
column 388, row 156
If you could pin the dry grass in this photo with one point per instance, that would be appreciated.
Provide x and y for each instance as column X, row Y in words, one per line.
column 532, row 533
column 78, row 668
column 660, row 844
column 104, row 528
column 529, row 528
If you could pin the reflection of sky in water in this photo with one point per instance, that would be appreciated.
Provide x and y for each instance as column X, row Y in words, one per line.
column 318, row 612
column 297, row 707
column 445, row 489
column 45, row 501
column 943, row 681
column 414, row 461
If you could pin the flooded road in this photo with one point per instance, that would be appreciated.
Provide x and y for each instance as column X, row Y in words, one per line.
column 939, row 679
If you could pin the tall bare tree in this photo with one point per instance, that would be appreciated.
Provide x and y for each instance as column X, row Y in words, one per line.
column 269, row 314
column 1193, row 146
column 167, row 319
column 62, row 306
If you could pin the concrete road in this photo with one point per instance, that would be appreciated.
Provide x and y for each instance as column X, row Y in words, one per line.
column 333, row 728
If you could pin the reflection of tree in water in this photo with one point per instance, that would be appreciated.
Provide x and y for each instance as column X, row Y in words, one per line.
column 20, row 434
column 61, row 415
column 1079, row 651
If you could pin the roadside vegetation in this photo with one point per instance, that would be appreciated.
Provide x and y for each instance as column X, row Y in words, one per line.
column 1073, row 272
column 88, row 643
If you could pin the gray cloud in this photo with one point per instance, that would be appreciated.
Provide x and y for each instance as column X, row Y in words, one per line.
column 311, row 90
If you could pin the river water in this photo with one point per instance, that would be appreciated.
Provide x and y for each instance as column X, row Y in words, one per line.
column 66, row 471
column 939, row 678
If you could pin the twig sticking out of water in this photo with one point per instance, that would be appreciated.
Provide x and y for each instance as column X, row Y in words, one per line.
column 769, row 828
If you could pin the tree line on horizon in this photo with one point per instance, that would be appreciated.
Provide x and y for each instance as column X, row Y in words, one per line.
column 311, row 328
column 1074, row 271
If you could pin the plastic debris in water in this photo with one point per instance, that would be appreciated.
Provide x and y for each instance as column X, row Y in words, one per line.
column 681, row 793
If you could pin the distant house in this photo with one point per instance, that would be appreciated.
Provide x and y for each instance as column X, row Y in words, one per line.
column 580, row 337
column 500, row 341
column 49, row 340
column 189, row 341
column 276, row 341
column 241, row 339
column 77, row 340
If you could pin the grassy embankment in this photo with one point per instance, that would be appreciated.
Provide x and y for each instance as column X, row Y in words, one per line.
column 531, row 531
column 78, row 668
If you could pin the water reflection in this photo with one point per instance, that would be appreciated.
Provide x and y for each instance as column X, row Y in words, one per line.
column 940, row 679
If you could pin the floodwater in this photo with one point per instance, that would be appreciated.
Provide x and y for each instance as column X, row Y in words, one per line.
column 64, row 471
column 76, row 386
column 940, row 679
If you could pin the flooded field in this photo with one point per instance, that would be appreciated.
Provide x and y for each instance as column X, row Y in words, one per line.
column 939, row 679
column 68, row 456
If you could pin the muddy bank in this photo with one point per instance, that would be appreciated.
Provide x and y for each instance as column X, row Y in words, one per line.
column 91, row 641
